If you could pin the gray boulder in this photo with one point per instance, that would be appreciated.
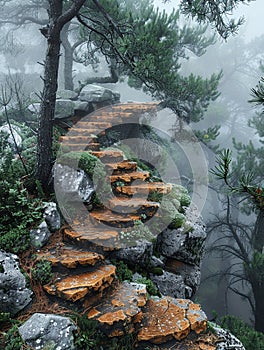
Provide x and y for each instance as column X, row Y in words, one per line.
column 64, row 108
column 73, row 185
column 34, row 108
column 66, row 95
column 95, row 94
column 171, row 285
column 227, row 341
column 48, row 331
column 139, row 254
column 181, row 245
column 40, row 236
column 16, row 131
column 52, row 216
column 14, row 296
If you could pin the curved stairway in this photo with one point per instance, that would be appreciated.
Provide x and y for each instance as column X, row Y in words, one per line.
column 83, row 273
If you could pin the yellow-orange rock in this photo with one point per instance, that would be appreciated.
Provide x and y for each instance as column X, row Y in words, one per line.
column 168, row 318
column 121, row 309
column 114, row 219
column 71, row 258
column 137, row 204
column 124, row 166
column 129, row 177
column 109, row 156
column 76, row 287
column 144, row 188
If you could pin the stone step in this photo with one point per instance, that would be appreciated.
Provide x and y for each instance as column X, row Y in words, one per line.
column 93, row 146
column 95, row 124
column 169, row 318
column 120, row 312
column 98, row 239
column 109, row 156
column 81, row 132
column 137, row 205
column 70, row 258
column 124, row 166
column 111, row 219
column 129, row 177
column 82, row 139
column 134, row 108
column 113, row 118
column 76, row 287
column 144, row 189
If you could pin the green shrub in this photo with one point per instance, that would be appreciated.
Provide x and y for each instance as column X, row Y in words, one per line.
column 178, row 221
column 122, row 271
column 13, row 340
column 42, row 272
column 151, row 288
column 246, row 334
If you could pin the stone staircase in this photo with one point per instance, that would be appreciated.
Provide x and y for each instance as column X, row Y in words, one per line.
column 82, row 270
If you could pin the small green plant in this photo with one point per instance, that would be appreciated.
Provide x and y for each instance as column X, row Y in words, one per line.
column 42, row 272
column 155, row 196
column 177, row 221
column 13, row 340
column 151, row 288
column 122, row 271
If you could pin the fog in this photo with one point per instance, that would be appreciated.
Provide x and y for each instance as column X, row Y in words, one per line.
column 238, row 57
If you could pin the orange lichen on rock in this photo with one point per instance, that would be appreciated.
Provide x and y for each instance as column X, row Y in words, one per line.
column 71, row 258
column 76, row 287
column 114, row 219
column 120, row 309
column 116, row 168
column 129, row 177
column 167, row 318
column 144, row 188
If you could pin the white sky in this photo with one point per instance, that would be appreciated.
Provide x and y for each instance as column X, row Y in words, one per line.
column 253, row 14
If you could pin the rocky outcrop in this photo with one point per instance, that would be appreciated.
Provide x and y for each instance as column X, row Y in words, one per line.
column 14, row 296
column 227, row 341
column 48, row 331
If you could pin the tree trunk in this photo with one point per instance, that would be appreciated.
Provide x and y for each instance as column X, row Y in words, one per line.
column 68, row 59
column 258, row 291
column 47, row 107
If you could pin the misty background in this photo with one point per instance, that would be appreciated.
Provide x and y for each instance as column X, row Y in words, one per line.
column 239, row 58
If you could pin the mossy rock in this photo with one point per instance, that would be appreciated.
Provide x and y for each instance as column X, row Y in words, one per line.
column 178, row 221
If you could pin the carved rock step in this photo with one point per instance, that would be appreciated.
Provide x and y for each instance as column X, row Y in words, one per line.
column 95, row 124
column 138, row 107
column 109, row 218
column 129, row 177
column 82, row 139
column 71, row 258
column 144, row 188
column 124, row 166
column 108, row 118
column 169, row 318
column 135, row 205
column 120, row 311
column 86, row 238
column 76, row 287
column 81, row 132
column 93, row 146
column 109, row 156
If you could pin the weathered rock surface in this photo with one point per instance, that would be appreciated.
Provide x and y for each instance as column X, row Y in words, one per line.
column 66, row 94
column 167, row 318
column 48, row 331
column 121, row 309
column 75, row 287
column 52, row 216
column 74, row 185
column 15, row 130
column 14, row 296
column 227, row 341
column 40, row 236
column 171, row 285
column 139, row 254
column 95, row 93
column 181, row 245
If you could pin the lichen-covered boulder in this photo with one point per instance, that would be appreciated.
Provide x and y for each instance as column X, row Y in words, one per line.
column 171, row 285
column 184, row 245
column 48, row 331
column 227, row 341
column 52, row 216
column 64, row 108
column 40, row 236
column 95, row 93
column 73, row 185
column 15, row 130
column 66, row 94
column 139, row 254
column 14, row 296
